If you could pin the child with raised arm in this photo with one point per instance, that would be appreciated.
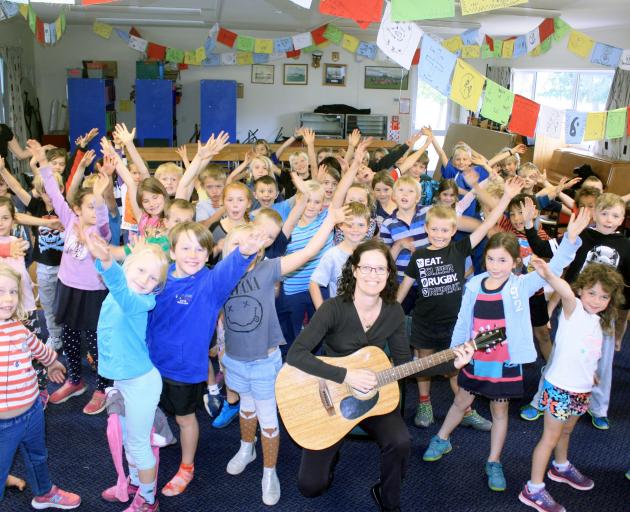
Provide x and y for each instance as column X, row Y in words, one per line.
column 124, row 358
column 21, row 414
column 181, row 327
column 252, row 356
column 437, row 272
column 80, row 290
column 498, row 299
column 570, row 376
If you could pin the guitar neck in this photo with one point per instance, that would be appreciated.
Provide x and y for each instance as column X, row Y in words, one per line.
column 405, row 370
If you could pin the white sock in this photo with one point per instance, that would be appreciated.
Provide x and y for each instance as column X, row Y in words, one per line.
column 561, row 467
column 267, row 471
column 147, row 491
column 213, row 389
column 133, row 476
column 535, row 488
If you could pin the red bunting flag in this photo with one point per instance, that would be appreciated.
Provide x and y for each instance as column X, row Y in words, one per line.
column 133, row 31
column 524, row 116
column 226, row 37
column 39, row 30
column 362, row 11
column 293, row 54
column 156, row 51
column 490, row 43
column 363, row 24
column 416, row 57
column 318, row 34
column 546, row 28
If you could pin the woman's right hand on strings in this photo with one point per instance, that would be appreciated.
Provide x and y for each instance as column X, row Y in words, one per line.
column 362, row 380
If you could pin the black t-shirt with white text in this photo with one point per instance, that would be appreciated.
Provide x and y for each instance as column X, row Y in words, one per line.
column 48, row 245
column 439, row 275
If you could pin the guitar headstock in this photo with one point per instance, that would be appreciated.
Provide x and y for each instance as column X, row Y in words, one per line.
column 490, row 338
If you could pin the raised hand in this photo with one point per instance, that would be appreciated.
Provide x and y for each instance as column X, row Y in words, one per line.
column 124, row 135
column 84, row 140
column 309, row 136
column 513, row 186
column 183, row 153
column 471, row 177
column 542, row 267
column 101, row 183
column 109, row 165
column 519, row 148
column 427, row 131
column 578, row 223
column 106, row 147
column 339, row 215
column 87, row 159
column 528, row 209
column 354, row 138
column 252, row 243
column 321, row 172
column 38, row 152
column 98, row 247
column 411, row 141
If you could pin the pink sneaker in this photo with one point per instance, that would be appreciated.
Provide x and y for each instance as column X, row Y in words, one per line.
column 56, row 498
column 67, row 391
column 139, row 504
column 96, row 404
column 109, row 494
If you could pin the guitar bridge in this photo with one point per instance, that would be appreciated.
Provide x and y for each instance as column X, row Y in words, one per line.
column 324, row 396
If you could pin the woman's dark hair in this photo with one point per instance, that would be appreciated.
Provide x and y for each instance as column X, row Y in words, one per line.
column 347, row 282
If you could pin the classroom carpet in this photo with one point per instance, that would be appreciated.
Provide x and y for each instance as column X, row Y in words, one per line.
column 79, row 461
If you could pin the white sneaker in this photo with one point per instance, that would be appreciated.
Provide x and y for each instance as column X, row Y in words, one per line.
column 245, row 455
column 270, row 486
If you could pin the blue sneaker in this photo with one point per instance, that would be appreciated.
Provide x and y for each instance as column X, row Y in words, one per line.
column 227, row 414
column 599, row 422
column 496, row 478
column 530, row 413
column 437, row 448
column 213, row 404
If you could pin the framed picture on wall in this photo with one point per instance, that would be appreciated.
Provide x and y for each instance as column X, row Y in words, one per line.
column 262, row 73
column 386, row 77
column 335, row 74
column 295, row 74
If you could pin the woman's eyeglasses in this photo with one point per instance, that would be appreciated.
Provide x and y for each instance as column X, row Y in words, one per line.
column 366, row 270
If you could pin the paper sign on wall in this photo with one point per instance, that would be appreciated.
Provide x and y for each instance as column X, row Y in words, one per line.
column 606, row 55
column 524, row 116
column 595, row 126
column 398, row 40
column 616, row 123
column 532, row 39
column 102, row 29
column 550, row 122
column 263, row 46
column 137, row 43
column 580, row 44
column 436, row 65
column 303, row 40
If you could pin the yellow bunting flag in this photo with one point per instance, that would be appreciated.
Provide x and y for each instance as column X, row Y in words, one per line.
column 454, row 44
column 58, row 28
column 200, row 55
column 580, row 44
column 477, row 6
column 467, row 85
column 263, row 46
column 349, row 43
column 595, row 126
column 24, row 11
column 244, row 58
column 472, row 51
column 508, row 48
column 189, row 58
column 102, row 29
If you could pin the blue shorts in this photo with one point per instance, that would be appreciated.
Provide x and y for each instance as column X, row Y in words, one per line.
column 257, row 378
column 561, row 403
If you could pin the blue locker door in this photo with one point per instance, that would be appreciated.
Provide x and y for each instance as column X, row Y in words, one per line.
column 218, row 108
column 154, row 110
column 86, row 109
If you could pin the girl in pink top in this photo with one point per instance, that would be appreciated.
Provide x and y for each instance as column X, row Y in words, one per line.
column 80, row 290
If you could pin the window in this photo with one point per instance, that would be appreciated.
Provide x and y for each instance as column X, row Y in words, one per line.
column 432, row 109
column 580, row 90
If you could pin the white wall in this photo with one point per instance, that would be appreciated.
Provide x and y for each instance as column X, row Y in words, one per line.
column 266, row 107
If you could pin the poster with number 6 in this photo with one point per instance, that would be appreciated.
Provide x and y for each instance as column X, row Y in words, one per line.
column 574, row 125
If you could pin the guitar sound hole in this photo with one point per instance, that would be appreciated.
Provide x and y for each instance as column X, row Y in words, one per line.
column 352, row 408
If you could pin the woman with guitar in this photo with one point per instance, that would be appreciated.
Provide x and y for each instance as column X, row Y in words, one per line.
column 364, row 313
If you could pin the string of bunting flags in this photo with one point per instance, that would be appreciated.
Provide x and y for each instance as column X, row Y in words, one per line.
column 46, row 34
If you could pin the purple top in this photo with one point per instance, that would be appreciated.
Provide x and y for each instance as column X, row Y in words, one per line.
column 77, row 264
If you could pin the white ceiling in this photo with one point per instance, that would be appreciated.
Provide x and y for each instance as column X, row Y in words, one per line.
column 283, row 15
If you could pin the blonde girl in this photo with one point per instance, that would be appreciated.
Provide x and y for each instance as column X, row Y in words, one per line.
column 237, row 201
column 254, row 350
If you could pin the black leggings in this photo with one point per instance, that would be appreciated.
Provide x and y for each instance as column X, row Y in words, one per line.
column 71, row 339
column 392, row 436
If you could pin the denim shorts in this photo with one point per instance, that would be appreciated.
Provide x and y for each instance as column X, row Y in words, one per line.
column 561, row 403
column 257, row 378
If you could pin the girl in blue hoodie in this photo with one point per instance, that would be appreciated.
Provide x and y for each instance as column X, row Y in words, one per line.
column 499, row 299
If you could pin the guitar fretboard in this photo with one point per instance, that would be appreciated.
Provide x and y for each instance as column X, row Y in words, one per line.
column 405, row 370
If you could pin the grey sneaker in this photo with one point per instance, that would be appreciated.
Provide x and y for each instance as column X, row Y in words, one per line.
column 424, row 415
column 474, row 420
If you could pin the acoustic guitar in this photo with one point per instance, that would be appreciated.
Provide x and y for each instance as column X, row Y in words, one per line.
column 318, row 412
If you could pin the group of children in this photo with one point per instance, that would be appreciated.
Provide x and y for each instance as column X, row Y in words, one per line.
column 148, row 281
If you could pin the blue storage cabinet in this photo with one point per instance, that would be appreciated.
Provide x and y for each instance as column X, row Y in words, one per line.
column 91, row 104
column 218, row 108
column 154, row 110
